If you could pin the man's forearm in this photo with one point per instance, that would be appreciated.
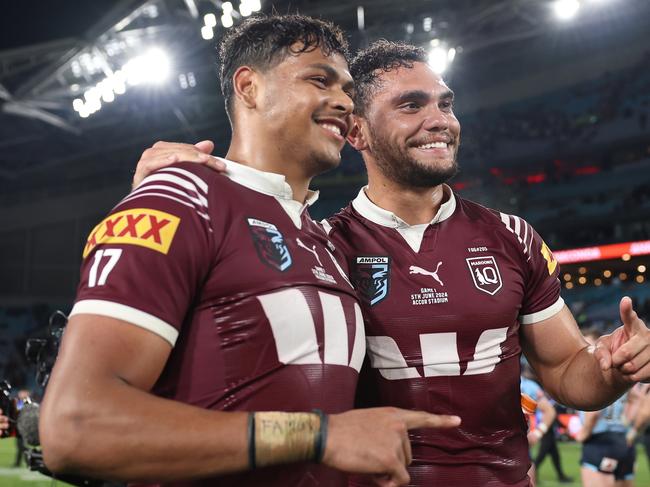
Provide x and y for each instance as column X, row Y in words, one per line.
column 132, row 435
column 584, row 385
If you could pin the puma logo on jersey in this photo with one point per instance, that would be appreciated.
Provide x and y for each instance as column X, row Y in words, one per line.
column 419, row 270
column 311, row 251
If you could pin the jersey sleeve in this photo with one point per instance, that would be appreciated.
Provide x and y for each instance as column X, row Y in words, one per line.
column 145, row 262
column 542, row 294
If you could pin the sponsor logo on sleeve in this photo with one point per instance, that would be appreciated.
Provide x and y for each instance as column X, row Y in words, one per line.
column 144, row 227
column 485, row 274
column 551, row 263
column 270, row 244
column 371, row 278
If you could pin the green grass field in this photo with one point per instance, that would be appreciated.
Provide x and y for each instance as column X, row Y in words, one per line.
column 21, row 477
column 570, row 453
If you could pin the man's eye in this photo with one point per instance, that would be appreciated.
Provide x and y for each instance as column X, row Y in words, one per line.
column 319, row 79
column 410, row 106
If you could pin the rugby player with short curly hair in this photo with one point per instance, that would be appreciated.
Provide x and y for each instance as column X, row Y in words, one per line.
column 214, row 332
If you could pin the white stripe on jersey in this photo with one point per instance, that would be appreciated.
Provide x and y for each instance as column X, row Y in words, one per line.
column 517, row 226
column 197, row 180
column 167, row 188
column 326, row 226
column 530, row 244
column 202, row 214
column 517, row 231
column 543, row 314
column 129, row 314
column 169, row 178
column 522, row 238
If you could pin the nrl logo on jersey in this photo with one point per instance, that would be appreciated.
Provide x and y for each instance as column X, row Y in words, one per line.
column 270, row 245
column 370, row 277
column 485, row 274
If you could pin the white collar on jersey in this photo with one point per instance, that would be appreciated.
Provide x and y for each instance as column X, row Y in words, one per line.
column 375, row 214
column 268, row 183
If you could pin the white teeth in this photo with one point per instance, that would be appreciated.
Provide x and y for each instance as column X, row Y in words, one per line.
column 434, row 145
column 331, row 128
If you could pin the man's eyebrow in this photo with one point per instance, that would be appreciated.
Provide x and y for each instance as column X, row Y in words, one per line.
column 447, row 95
column 411, row 95
column 332, row 73
column 421, row 96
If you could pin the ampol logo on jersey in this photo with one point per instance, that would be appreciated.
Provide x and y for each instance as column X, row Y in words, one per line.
column 485, row 274
column 144, row 227
column 371, row 277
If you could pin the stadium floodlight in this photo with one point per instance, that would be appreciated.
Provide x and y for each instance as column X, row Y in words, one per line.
column 118, row 82
column 566, row 9
column 255, row 5
column 206, row 32
column 210, row 20
column 438, row 59
column 151, row 67
column 245, row 8
column 227, row 7
column 107, row 95
column 226, row 20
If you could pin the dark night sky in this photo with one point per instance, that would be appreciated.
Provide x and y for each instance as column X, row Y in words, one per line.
column 28, row 22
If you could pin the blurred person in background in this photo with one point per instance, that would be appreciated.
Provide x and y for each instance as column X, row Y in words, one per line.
column 539, row 413
column 607, row 459
column 22, row 398
column 638, row 415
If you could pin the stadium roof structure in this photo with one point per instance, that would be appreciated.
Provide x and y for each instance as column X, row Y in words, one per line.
column 54, row 53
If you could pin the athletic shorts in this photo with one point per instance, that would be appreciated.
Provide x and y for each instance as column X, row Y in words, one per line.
column 608, row 453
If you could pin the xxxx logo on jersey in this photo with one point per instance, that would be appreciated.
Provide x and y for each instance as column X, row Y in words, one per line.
column 148, row 228
column 551, row 263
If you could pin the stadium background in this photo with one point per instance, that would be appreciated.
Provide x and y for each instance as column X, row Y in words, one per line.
column 553, row 99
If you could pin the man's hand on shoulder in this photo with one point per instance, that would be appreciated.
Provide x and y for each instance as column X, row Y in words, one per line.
column 163, row 154
column 626, row 349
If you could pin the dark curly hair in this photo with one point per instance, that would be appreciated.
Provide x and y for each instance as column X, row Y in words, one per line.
column 264, row 41
column 381, row 56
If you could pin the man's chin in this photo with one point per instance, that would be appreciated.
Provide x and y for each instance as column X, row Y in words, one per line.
column 325, row 162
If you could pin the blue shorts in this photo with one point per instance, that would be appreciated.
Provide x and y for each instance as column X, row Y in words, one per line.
column 608, row 453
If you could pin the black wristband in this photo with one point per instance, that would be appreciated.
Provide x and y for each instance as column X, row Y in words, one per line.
column 251, row 441
column 321, row 437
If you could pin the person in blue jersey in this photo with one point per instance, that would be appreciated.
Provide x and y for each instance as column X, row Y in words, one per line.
column 607, row 460
column 543, row 412
column 638, row 414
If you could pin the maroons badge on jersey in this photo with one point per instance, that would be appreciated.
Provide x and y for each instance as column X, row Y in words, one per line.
column 270, row 245
column 485, row 274
column 371, row 277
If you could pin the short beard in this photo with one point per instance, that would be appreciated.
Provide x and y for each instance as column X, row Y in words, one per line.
column 406, row 171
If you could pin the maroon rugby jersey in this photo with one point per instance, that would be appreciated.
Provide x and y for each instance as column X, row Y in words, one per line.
column 242, row 283
column 443, row 303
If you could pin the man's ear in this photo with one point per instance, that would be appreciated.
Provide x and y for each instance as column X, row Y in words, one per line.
column 244, row 83
column 356, row 136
